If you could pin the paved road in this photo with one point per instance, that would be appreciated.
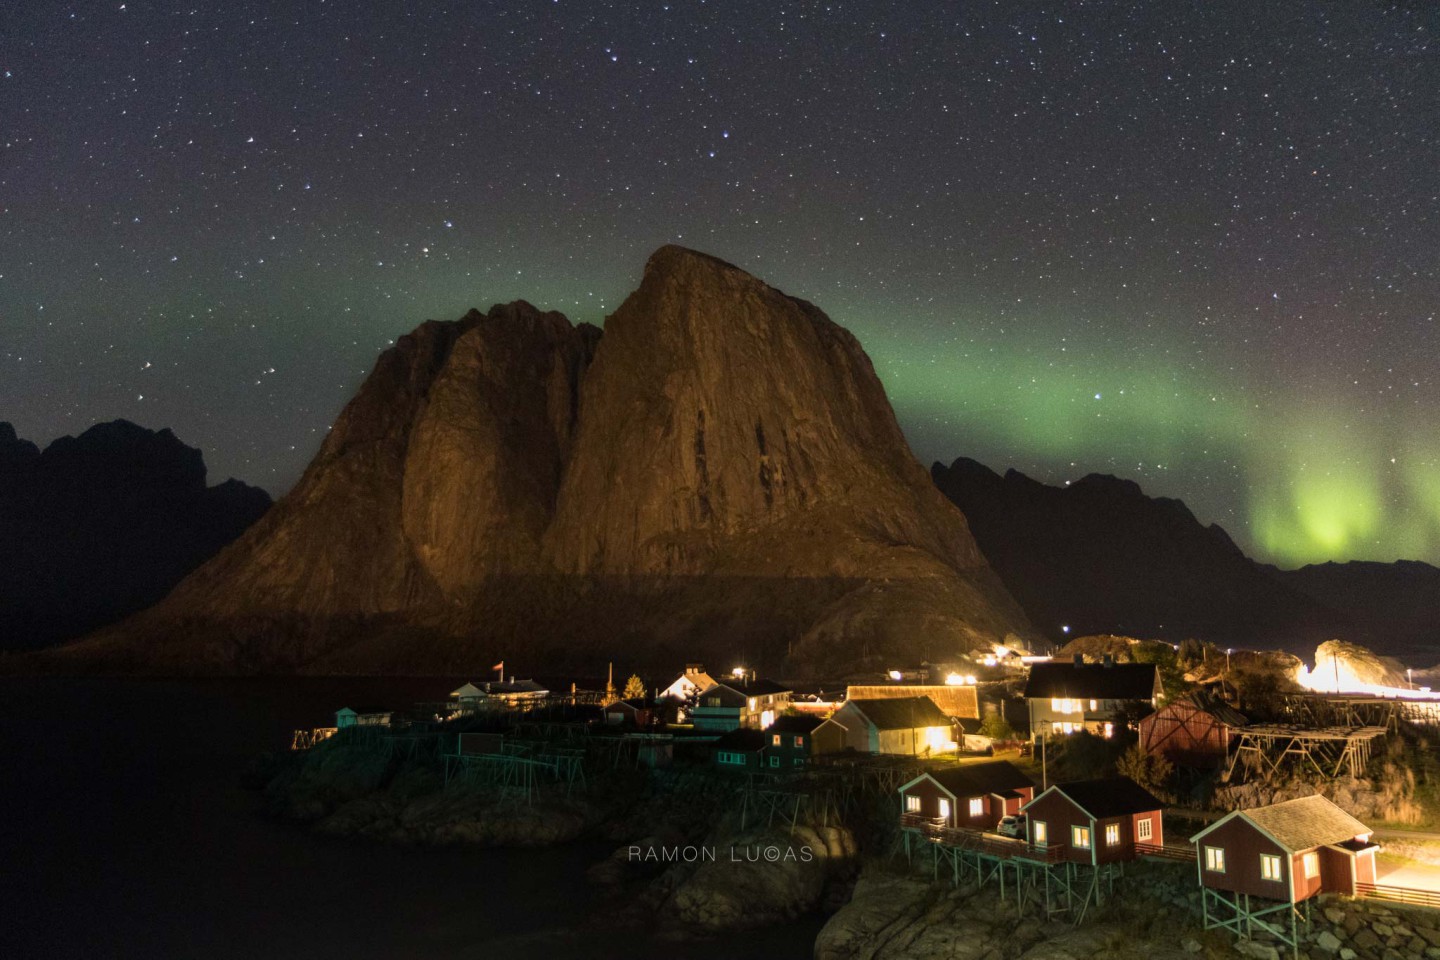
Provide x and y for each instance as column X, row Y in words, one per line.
column 1383, row 835
column 1416, row 876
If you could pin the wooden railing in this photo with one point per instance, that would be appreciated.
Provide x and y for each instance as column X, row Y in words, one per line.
column 990, row 844
column 1182, row 852
column 1404, row 895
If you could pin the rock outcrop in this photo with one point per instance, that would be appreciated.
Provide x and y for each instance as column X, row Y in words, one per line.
column 719, row 474
column 99, row 526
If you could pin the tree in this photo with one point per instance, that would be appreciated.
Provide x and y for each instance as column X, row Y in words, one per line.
column 1151, row 770
column 634, row 688
column 995, row 727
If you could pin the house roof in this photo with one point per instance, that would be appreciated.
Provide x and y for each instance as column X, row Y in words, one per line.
column 1217, row 708
column 366, row 710
column 1092, row 681
column 1300, row 824
column 742, row 740
column 954, row 700
column 635, row 703
column 901, row 713
column 755, row 688
column 795, row 723
column 1109, row 797
column 974, row 779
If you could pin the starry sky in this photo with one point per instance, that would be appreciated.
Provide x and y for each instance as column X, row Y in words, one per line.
column 1190, row 243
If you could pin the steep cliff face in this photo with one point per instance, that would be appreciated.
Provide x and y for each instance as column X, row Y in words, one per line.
column 718, row 407
column 719, row 474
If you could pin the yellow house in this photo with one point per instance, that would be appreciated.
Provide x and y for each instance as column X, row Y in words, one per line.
column 910, row 726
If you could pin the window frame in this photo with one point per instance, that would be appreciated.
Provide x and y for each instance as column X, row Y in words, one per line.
column 1310, row 864
column 1270, row 869
column 1214, row 859
column 1040, row 832
column 1079, row 833
column 1112, row 834
column 913, row 803
column 1144, row 830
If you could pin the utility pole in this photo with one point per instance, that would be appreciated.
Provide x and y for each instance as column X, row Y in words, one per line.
column 1044, row 764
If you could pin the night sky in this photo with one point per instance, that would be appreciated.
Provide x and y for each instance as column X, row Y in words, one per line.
column 1193, row 244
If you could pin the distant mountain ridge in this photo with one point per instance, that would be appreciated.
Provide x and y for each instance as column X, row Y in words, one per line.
column 1100, row 556
column 99, row 526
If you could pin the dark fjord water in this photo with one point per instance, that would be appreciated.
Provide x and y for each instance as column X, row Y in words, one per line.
column 125, row 832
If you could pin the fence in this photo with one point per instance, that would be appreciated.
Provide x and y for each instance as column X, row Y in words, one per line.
column 1408, row 896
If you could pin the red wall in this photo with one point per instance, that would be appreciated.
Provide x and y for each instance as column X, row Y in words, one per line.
column 1059, row 815
column 1243, row 845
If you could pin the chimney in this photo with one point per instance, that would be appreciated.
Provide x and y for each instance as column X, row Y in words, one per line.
column 1109, row 660
column 1079, row 659
column 693, row 668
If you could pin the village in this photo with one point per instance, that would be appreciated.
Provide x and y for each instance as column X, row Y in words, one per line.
column 1043, row 778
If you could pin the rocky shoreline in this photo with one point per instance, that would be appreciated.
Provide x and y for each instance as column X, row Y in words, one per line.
column 683, row 866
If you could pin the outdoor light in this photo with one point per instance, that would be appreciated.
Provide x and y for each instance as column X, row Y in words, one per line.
column 895, row 675
column 953, row 680
column 738, row 672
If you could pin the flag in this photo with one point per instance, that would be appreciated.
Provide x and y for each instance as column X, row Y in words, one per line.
column 499, row 667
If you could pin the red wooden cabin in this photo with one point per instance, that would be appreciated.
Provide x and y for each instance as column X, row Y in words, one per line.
column 1287, row 851
column 973, row 796
column 1095, row 821
column 1193, row 731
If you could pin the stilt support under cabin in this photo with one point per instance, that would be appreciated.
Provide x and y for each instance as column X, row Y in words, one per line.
column 1223, row 910
column 1031, row 875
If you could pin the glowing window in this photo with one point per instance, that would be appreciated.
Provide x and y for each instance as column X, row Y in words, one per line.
column 1311, row 862
column 1038, row 831
column 977, row 806
column 912, row 804
column 1215, row 859
column 1080, row 837
column 944, row 809
column 1112, row 834
column 775, row 740
column 1269, row 866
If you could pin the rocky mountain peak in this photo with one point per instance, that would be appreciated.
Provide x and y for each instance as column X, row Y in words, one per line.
column 719, row 471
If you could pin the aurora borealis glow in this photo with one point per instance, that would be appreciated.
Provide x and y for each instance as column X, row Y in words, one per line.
column 1193, row 245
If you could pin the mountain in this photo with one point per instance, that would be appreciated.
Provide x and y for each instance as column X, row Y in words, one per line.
column 100, row 526
column 1100, row 556
column 718, row 475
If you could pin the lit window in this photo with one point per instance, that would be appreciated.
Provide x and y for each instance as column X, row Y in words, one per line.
column 977, row 806
column 944, row 809
column 775, row 740
column 799, row 741
column 1144, row 829
column 1109, row 730
column 1112, row 834
column 1055, row 726
column 1269, row 866
column 1038, row 831
column 1311, row 862
column 1093, row 705
column 1080, row 837
column 1215, row 859
column 912, row 804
